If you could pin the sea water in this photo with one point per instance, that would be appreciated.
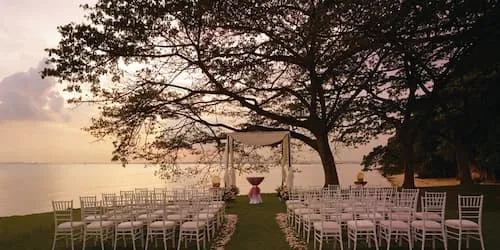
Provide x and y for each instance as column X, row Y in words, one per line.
column 30, row 188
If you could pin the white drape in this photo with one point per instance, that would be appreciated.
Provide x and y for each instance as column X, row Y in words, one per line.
column 259, row 138
column 289, row 178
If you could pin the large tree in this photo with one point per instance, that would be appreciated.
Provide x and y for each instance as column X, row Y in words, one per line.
column 426, row 40
column 170, row 74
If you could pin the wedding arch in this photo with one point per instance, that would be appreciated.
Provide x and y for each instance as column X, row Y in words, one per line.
column 259, row 138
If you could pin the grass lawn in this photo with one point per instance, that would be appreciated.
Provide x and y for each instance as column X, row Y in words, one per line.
column 256, row 228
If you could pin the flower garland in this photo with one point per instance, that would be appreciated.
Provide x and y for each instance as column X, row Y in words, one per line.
column 291, row 237
column 226, row 232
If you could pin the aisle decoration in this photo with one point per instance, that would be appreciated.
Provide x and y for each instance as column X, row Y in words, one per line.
column 226, row 233
column 293, row 241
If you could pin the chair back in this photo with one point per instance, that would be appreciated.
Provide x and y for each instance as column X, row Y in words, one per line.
column 470, row 207
column 331, row 209
column 435, row 204
column 63, row 211
column 89, row 206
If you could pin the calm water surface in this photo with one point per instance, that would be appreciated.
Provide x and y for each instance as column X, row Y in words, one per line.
column 30, row 188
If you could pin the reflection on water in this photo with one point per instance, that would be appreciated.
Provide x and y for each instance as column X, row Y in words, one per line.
column 30, row 188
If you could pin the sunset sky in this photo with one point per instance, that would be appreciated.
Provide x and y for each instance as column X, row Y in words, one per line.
column 36, row 123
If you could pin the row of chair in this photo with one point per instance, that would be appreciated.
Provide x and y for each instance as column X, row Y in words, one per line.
column 382, row 214
column 185, row 214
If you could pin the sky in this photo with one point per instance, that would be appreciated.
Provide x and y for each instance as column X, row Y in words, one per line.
column 36, row 123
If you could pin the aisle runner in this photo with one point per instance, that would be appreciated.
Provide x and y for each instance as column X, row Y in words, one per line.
column 226, row 232
column 291, row 237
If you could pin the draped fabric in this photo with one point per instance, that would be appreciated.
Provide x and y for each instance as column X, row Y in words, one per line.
column 259, row 138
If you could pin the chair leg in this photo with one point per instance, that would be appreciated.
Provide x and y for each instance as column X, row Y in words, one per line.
column 116, row 241
column 445, row 240
column 180, row 240
column 164, row 241
column 375, row 238
column 387, row 239
column 102, row 241
column 133, row 239
column 481, row 240
column 54, row 241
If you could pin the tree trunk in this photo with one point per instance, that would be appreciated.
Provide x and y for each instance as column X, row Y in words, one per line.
column 328, row 162
column 407, row 139
column 463, row 157
column 409, row 167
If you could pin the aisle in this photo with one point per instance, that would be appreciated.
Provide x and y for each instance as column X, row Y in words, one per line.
column 257, row 228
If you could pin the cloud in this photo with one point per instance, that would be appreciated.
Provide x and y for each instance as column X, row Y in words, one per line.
column 26, row 96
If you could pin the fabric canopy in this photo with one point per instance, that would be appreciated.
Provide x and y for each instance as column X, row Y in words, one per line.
column 257, row 138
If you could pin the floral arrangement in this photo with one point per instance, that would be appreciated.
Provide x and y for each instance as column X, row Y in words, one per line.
column 226, row 233
column 360, row 176
column 282, row 192
column 230, row 193
column 215, row 181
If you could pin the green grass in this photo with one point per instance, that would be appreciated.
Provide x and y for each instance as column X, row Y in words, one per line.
column 256, row 228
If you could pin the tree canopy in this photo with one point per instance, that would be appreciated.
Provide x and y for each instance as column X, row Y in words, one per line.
column 168, row 75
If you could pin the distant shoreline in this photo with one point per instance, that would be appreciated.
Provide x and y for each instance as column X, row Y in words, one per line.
column 397, row 181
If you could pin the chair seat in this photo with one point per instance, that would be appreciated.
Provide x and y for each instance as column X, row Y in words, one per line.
column 192, row 225
column 360, row 224
column 429, row 216
column 162, row 224
column 315, row 205
column 374, row 216
column 99, row 225
column 427, row 224
column 95, row 217
column 119, row 218
column 216, row 206
column 130, row 224
column 159, row 212
column 301, row 211
column 176, row 217
column 295, row 206
column 150, row 217
column 173, row 207
column 402, row 216
column 465, row 224
column 290, row 202
column 346, row 217
column 312, row 217
column 395, row 224
column 70, row 225
column 327, row 226
column 206, row 216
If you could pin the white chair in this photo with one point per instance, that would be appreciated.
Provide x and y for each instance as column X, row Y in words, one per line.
column 397, row 226
column 329, row 226
column 131, row 228
column 90, row 209
column 430, row 215
column 161, row 228
column 468, row 225
column 362, row 205
column 100, row 228
column 194, row 229
column 427, row 227
column 65, row 227
column 208, row 214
